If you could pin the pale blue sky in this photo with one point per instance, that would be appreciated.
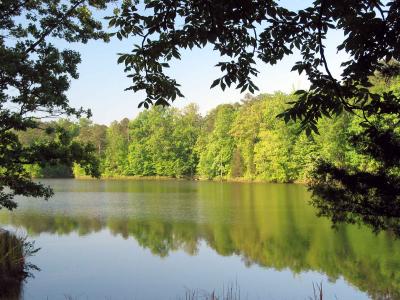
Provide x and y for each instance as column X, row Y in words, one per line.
column 102, row 81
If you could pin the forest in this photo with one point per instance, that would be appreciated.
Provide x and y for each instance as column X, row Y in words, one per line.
column 233, row 141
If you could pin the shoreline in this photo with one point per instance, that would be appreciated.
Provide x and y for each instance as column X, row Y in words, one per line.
column 168, row 178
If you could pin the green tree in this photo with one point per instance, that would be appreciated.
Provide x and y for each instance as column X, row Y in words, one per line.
column 186, row 132
column 42, row 136
column 140, row 154
column 245, row 130
column 216, row 153
column 34, row 76
column 116, row 154
column 162, row 142
column 94, row 134
column 274, row 152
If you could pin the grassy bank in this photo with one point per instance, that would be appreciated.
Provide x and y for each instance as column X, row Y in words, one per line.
column 12, row 263
column 13, row 266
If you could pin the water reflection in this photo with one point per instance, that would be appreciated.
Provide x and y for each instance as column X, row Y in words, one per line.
column 268, row 225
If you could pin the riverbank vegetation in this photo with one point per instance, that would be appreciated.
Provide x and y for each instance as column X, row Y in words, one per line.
column 242, row 141
column 233, row 292
column 13, row 265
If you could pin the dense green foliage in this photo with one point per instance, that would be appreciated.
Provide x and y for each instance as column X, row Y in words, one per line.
column 243, row 140
column 162, row 142
column 116, row 153
column 79, row 133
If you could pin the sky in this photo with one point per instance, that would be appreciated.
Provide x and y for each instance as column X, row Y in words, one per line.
column 102, row 81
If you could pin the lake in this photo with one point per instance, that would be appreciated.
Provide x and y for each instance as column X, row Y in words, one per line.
column 121, row 239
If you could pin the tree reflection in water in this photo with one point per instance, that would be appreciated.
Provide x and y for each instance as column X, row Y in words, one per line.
column 277, row 231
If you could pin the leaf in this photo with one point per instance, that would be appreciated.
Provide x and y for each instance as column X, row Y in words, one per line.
column 300, row 92
column 215, row 83
column 161, row 102
column 121, row 59
column 223, row 86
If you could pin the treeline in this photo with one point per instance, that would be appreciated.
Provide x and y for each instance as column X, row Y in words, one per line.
column 82, row 131
column 241, row 140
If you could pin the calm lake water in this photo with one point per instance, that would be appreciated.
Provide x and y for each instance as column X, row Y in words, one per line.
column 157, row 239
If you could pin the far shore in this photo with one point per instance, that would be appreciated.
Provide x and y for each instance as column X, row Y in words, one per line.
column 183, row 178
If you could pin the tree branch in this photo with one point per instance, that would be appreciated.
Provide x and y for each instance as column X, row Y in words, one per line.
column 51, row 28
column 324, row 61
